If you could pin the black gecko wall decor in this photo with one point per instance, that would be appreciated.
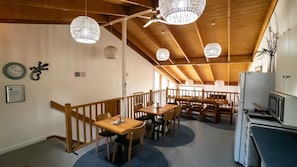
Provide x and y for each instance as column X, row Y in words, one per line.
column 36, row 71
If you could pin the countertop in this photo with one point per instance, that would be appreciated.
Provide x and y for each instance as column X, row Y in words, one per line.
column 277, row 148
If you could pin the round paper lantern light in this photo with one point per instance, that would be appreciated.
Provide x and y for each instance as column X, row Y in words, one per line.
column 110, row 52
column 84, row 29
column 180, row 12
column 212, row 50
column 162, row 54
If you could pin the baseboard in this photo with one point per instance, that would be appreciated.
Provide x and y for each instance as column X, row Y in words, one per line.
column 21, row 145
column 61, row 138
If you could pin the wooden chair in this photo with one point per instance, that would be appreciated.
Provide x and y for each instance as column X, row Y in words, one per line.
column 103, row 133
column 140, row 115
column 177, row 112
column 184, row 103
column 227, row 111
column 161, row 124
column 212, row 109
column 132, row 138
column 195, row 108
column 148, row 103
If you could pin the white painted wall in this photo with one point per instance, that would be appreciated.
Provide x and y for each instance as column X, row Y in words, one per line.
column 31, row 121
column 286, row 13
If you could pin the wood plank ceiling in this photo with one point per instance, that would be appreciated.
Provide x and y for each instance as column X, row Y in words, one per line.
column 237, row 25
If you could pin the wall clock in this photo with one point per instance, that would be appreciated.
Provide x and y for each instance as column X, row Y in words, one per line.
column 14, row 70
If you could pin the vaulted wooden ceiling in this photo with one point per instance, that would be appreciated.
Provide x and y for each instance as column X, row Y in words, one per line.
column 237, row 25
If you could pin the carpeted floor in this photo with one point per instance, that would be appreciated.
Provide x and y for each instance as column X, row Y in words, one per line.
column 148, row 155
column 196, row 144
column 180, row 137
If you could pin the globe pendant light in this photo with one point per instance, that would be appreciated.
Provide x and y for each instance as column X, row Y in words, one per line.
column 110, row 52
column 212, row 50
column 219, row 83
column 84, row 29
column 180, row 12
column 162, row 54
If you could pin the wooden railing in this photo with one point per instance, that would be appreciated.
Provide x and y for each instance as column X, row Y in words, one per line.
column 231, row 97
column 79, row 119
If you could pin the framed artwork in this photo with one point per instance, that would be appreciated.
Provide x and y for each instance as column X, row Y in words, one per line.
column 15, row 93
column 258, row 69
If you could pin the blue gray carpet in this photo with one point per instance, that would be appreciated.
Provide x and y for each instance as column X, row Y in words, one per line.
column 146, row 156
column 180, row 137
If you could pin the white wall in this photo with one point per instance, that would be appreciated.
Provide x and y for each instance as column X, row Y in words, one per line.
column 286, row 13
column 31, row 121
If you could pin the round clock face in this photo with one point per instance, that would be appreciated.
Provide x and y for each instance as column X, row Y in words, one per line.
column 14, row 70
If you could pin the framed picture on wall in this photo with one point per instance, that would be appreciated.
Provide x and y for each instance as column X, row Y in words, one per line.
column 258, row 69
column 15, row 93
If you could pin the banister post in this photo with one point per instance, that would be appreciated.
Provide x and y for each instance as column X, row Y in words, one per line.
column 68, row 127
column 177, row 92
column 151, row 95
column 166, row 98
column 202, row 93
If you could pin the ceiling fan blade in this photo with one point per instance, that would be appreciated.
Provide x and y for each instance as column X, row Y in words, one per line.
column 148, row 23
column 162, row 21
column 144, row 17
column 159, row 16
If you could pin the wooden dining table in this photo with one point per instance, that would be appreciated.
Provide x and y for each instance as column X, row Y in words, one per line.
column 156, row 109
column 122, row 128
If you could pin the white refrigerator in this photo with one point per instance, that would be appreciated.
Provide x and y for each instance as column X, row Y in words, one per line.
column 254, row 87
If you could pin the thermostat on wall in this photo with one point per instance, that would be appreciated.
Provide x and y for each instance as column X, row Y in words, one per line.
column 15, row 93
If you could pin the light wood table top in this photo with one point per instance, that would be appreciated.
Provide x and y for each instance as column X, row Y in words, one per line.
column 153, row 109
column 121, row 128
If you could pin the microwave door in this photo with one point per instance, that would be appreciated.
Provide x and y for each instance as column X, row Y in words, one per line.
column 281, row 109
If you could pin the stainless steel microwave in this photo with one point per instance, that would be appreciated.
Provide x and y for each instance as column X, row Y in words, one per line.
column 283, row 107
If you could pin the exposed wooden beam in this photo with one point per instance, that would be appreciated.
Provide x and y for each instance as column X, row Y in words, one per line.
column 264, row 25
column 181, row 74
column 177, row 43
column 228, row 42
column 146, row 3
column 149, row 36
column 199, row 37
column 144, row 32
column 143, row 48
column 211, row 70
column 170, row 73
column 197, row 74
column 221, row 59
column 98, row 7
column 131, row 44
column 128, row 17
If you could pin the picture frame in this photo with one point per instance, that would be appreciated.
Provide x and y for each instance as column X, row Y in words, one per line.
column 258, row 69
column 15, row 93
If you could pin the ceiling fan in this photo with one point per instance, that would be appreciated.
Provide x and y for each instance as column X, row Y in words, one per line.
column 155, row 18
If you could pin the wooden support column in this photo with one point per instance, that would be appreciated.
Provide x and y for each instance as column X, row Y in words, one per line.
column 124, row 69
